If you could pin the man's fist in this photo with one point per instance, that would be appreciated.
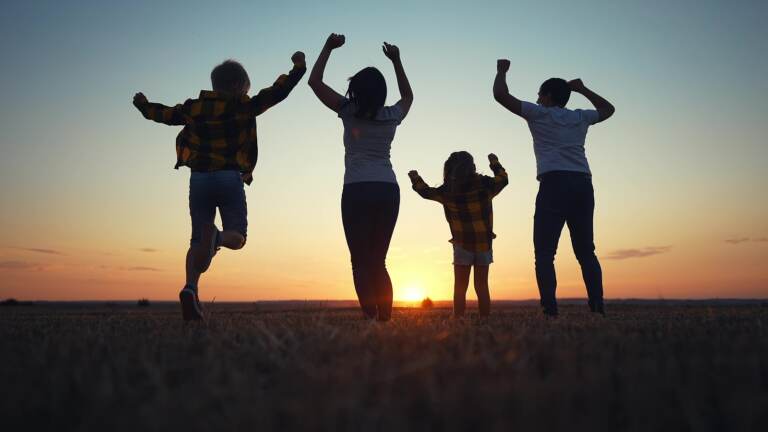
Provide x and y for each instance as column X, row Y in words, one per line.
column 492, row 158
column 139, row 99
column 391, row 51
column 335, row 40
column 413, row 174
column 576, row 85
column 298, row 58
column 502, row 65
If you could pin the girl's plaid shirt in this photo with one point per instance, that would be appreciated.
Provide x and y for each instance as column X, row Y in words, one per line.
column 469, row 213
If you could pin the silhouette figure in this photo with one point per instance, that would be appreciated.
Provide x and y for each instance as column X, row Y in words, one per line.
column 565, row 193
column 466, row 198
column 370, row 200
column 218, row 143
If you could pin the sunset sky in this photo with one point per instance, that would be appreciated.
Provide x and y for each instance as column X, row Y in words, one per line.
column 90, row 207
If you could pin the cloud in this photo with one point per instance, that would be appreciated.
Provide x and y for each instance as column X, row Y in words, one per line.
column 621, row 254
column 19, row 265
column 737, row 240
column 148, row 250
column 131, row 268
column 140, row 268
column 40, row 250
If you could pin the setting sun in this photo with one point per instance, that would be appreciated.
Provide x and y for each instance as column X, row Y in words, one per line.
column 412, row 293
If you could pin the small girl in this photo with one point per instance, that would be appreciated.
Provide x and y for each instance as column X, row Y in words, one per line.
column 466, row 198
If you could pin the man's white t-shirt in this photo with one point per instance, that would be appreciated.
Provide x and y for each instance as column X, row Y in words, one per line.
column 558, row 136
column 367, row 144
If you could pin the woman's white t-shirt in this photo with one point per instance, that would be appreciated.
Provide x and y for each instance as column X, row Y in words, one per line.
column 367, row 144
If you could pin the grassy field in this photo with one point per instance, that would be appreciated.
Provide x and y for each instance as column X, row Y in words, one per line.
column 644, row 367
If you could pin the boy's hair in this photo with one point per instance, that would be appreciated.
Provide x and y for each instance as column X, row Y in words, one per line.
column 558, row 89
column 368, row 90
column 458, row 169
column 230, row 77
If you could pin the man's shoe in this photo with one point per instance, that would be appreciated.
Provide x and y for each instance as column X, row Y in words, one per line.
column 190, row 305
column 209, row 244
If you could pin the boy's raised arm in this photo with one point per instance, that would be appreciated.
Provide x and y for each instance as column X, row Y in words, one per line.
column 328, row 96
column 422, row 188
column 501, row 91
column 173, row 116
column 406, row 93
column 271, row 96
column 500, row 179
column 603, row 107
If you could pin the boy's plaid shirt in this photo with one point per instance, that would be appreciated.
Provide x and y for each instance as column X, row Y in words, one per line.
column 469, row 213
column 220, row 132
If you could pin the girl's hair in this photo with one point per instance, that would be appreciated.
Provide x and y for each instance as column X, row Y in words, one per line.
column 457, row 171
column 368, row 90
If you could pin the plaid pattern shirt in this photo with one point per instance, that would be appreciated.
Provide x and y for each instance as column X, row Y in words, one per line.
column 469, row 213
column 220, row 132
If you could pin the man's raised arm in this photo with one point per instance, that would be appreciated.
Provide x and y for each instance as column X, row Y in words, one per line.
column 603, row 107
column 501, row 91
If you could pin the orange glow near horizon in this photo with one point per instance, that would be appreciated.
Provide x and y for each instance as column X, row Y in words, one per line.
column 410, row 293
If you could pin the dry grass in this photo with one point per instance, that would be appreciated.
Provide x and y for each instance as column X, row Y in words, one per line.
column 643, row 368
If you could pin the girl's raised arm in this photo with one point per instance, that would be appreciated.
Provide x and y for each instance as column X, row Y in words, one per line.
column 327, row 95
column 406, row 93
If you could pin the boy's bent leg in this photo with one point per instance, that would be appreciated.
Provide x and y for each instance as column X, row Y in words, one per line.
column 581, row 226
column 232, row 240
column 548, row 223
column 481, row 289
column 460, row 284
column 234, row 211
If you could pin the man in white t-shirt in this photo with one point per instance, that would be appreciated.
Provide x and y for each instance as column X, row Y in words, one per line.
column 565, row 193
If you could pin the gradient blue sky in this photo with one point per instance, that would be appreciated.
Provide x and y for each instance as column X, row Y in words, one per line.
column 680, row 168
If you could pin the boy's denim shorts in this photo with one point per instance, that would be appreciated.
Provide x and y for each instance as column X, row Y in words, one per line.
column 223, row 189
column 464, row 257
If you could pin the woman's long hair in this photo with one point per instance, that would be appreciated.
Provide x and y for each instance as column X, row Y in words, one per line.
column 457, row 171
column 368, row 91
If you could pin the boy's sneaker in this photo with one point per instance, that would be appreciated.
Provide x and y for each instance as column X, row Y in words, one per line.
column 190, row 305
column 209, row 244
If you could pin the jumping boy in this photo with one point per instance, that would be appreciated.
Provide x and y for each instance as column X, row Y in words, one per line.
column 218, row 143
column 565, row 193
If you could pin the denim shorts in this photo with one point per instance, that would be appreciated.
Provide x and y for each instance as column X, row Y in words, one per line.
column 223, row 189
column 462, row 256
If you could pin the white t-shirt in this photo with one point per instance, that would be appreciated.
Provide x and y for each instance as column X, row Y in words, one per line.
column 558, row 136
column 367, row 144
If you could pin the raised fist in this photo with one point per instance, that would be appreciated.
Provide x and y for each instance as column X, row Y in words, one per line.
column 139, row 99
column 335, row 40
column 576, row 85
column 502, row 65
column 391, row 51
column 298, row 58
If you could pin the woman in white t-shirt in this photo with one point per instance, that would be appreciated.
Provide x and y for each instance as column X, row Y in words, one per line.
column 371, row 198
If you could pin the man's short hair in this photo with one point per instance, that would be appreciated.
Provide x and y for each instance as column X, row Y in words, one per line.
column 557, row 89
column 230, row 77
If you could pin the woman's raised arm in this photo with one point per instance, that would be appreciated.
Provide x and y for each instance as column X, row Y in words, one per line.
column 406, row 93
column 327, row 95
